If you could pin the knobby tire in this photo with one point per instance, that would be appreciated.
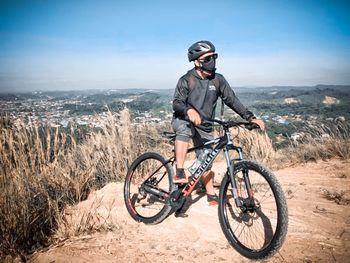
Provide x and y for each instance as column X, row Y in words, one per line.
column 245, row 221
column 132, row 176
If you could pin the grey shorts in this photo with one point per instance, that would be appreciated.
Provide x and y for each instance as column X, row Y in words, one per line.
column 185, row 131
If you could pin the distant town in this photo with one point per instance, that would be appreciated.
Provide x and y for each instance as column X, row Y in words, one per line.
column 285, row 109
column 44, row 109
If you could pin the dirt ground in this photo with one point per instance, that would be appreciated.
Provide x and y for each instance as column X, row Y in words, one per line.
column 319, row 229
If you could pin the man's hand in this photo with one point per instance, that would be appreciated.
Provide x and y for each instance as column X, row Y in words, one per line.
column 194, row 116
column 259, row 122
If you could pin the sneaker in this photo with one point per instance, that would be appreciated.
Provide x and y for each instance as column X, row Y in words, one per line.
column 180, row 177
column 181, row 214
column 213, row 200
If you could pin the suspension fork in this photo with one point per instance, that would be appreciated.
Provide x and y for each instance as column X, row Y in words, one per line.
column 230, row 167
column 245, row 174
column 248, row 185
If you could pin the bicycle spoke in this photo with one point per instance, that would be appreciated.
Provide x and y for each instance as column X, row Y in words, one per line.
column 148, row 187
column 255, row 229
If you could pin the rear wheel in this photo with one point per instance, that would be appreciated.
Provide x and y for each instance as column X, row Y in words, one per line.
column 147, row 188
column 257, row 229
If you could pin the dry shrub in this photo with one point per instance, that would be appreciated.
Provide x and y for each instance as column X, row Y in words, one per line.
column 97, row 218
column 43, row 170
column 320, row 142
column 112, row 149
column 338, row 197
column 256, row 145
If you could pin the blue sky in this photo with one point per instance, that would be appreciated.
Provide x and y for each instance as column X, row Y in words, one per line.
column 143, row 44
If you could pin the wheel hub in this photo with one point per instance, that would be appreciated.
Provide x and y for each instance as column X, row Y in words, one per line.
column 250, row 205
column 142, row 194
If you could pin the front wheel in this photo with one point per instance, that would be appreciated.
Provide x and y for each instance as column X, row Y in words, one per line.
column 257, row 227
column 147, row 188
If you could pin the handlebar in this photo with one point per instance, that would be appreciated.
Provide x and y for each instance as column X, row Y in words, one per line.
column 229, row 124
column 225, row 124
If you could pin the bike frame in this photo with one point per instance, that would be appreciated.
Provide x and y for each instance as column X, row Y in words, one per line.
column 222, row 143
column 260, row 240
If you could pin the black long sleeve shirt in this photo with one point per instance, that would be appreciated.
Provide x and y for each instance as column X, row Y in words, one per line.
column 203, row 97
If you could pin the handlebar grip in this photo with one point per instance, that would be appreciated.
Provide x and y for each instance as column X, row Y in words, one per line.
column 207, row 123
column 232, row 124
column 252, row 126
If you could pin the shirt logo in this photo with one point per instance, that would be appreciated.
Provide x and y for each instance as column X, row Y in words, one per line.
column 211, row 87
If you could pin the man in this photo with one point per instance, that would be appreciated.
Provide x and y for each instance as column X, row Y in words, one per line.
column 195, row 98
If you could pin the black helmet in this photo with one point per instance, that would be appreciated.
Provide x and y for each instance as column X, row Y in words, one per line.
column 199, row 48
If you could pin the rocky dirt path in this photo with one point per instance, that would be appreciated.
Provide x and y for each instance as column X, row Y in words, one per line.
column 319, row 229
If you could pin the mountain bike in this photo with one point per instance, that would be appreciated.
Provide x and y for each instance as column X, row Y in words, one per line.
column 252, row 209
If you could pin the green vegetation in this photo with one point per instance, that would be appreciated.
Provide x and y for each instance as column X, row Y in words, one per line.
column 285, row 109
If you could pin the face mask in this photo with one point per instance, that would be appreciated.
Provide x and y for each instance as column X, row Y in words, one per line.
column 209, row 66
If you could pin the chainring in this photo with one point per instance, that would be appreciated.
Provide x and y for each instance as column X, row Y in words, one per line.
column 176, row 199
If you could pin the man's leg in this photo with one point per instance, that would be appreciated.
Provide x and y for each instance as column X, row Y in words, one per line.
column 180, row 153
column 200, row 138
column 208, row 180
column 183, row 136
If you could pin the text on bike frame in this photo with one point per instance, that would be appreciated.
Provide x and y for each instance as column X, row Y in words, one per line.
column 200, row 170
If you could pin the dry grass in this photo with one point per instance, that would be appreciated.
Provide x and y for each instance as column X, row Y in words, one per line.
column 35, row 185
column 320, row 142
column 256, row 146
column 43, row 170
column 96, row 218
